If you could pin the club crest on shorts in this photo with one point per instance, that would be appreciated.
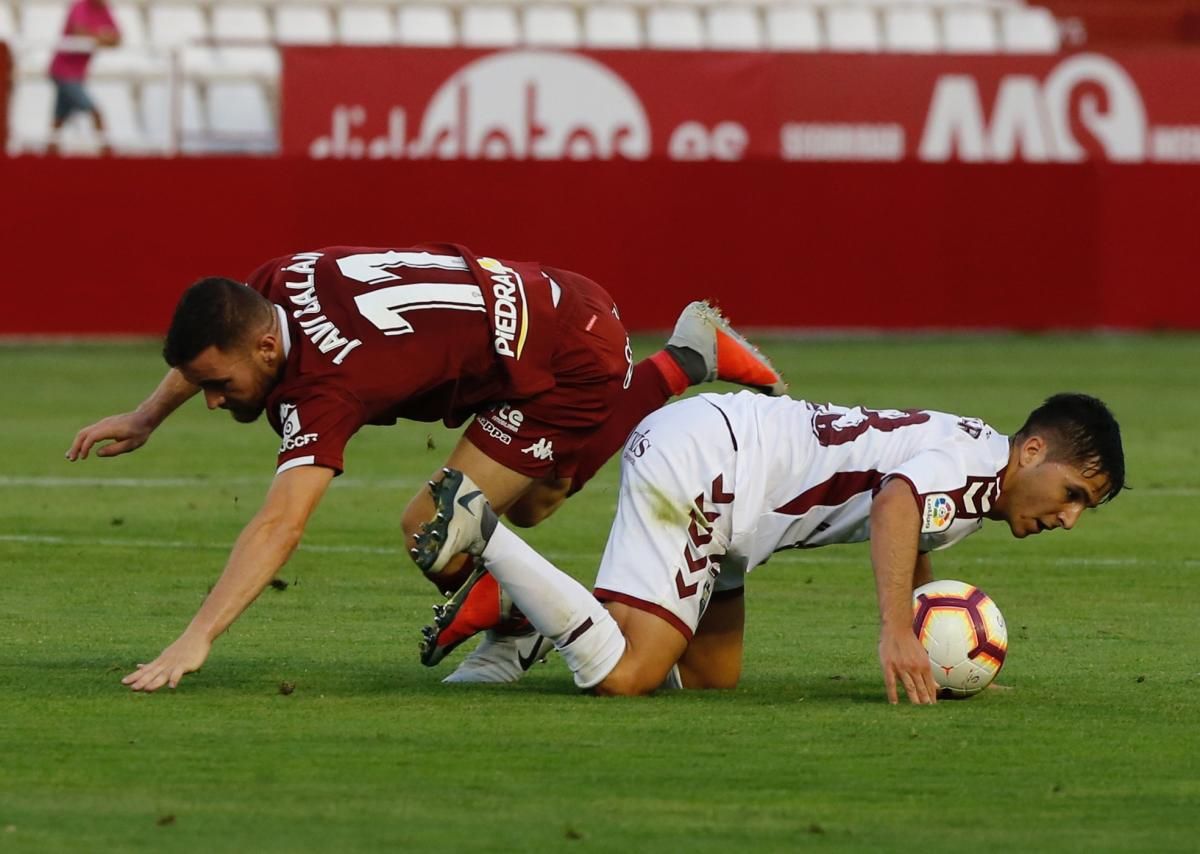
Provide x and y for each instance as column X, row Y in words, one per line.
column 937, row 514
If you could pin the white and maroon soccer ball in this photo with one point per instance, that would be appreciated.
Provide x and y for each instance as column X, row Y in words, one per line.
column 965, row 635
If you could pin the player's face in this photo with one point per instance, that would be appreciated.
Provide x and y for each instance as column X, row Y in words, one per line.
column 1041, row 494
column 238, row 381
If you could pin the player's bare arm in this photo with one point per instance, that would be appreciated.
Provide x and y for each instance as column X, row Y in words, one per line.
column 895, row 528
column 261, row 550
column 107, row 37
column 923, row 571
column 128, row 431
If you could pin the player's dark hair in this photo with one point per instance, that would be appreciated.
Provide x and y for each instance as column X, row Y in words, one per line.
column 214, row 312
column 1081, row 431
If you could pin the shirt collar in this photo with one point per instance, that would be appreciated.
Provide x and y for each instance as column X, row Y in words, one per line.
column 283, row 327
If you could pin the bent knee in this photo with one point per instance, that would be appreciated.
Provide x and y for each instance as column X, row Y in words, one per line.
column 622, row 687
column 411, row 520
column 538, row 503
column 522, row 516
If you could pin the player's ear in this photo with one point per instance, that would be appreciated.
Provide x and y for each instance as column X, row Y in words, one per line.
column 265, row 347
column 1033, row 450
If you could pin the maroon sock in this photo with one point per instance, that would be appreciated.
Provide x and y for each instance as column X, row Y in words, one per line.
column 649, row 389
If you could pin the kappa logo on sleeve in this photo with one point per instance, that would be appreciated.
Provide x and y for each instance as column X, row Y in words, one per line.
column 937, row 514
column 289, row 420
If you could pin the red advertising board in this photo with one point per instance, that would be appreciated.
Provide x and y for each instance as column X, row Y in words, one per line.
column 847, row 245
column 523, row 104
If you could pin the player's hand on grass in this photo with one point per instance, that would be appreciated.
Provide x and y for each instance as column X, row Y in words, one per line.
column 127, row 432
column 906, row 662
column 184, row 656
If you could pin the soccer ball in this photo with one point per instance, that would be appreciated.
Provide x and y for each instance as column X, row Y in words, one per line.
column 965, row 635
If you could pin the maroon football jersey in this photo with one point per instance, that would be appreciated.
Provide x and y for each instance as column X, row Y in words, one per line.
column 425, row 333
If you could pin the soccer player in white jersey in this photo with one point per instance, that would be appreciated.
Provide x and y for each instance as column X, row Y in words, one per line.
column 712, row 486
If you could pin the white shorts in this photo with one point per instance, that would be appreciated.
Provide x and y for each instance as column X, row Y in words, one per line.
column 673, row 515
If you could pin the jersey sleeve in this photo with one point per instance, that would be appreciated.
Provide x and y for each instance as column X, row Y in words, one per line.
column 315, row 426
column 934, row 476
column 952, row 495
column 933, row 470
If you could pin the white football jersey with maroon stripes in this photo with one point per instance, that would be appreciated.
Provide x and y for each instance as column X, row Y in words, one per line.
column 807, row 472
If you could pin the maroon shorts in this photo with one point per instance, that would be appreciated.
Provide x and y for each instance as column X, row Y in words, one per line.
column 542, row 436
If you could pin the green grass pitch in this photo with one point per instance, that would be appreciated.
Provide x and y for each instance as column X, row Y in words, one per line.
column 1095, row 747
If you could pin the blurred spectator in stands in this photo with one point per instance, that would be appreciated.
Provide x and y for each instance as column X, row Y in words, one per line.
column 90, row 25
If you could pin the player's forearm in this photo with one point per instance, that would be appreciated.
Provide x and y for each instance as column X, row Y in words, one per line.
column 261, row 549
column 170, row 394
column 894, row 538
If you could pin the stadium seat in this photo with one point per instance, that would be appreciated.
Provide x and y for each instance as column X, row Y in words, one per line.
column 115, row 100
column 240, row 23
column 157, row 108
column 489, row 26
column 197, row 60
column 131, row 23
column 32, row 61
column 78, row 137
column 552, row 26
column 910, row 30
column 8, row 23
column 303, row 25
column 246, row 61
column 31, row 113
column 793, row 28
column 41, row 24
column 969, row 30
column 427, row 26
column 852, row 29
column 365, row 25
column 171, row 25
column 1029, row 30
column 734, row 28
column 240, row 116
column 674, row 27
column 128, row 62
column 611, row 27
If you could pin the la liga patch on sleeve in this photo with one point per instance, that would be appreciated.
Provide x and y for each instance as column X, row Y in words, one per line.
column 937, row 514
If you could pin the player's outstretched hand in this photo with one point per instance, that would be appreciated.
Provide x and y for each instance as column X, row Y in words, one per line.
column 128, row 432
column 904, row 660
column 183, row 656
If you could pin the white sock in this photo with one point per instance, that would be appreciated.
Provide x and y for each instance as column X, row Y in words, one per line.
column 559, row 607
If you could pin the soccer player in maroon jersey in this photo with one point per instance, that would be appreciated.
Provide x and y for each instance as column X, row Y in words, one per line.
column 324, row 342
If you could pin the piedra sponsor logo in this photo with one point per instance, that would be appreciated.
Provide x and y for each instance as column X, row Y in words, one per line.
column 510, row 323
